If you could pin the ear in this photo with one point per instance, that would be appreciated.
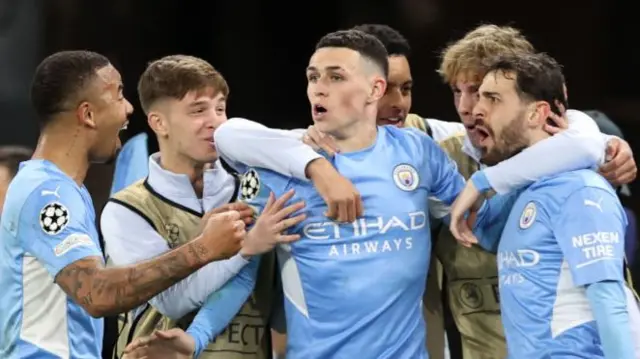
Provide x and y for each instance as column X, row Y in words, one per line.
column 378, row 88
column 539, row 114
column 158, row 123
column 86, row 115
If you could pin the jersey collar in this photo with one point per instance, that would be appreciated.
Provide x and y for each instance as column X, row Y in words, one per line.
column 176, row 187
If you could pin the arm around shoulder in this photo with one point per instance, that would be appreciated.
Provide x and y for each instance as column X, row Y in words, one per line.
column 246, row 143
column 580, row 146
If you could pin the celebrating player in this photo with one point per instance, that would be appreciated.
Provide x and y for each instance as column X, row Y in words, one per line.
column 328, row 277
column 55, row 285
column 184, row 98
column 470, row 273
column 561, row 255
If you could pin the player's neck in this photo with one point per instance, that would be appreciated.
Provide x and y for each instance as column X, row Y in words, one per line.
column 178, row 164
column 360, row 135
column 70, row 155
column 537, row 136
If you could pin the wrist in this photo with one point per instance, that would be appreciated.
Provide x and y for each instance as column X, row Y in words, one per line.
column 480, row 181
column 198, row 253
column 192, row 341
column 246, row 254
column 247, row 251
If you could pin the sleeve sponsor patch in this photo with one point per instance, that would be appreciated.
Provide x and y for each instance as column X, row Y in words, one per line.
column 54, row 217
column 72, row 241
column 250, row 185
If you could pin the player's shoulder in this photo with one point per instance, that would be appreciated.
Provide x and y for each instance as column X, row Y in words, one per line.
column 404, row 135
column 415, row 121
column 35, row 179
column 556, row 190
column 567, row 182
column 406, row 142
column 37, row 189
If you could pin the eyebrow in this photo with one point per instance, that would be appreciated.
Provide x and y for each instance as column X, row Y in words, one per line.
column 327, row 68
column 490, row 94
column 198, row 103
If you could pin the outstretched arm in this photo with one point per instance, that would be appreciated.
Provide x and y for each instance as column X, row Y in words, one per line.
column 243, row 143
column 119, row 224
column 58, row 233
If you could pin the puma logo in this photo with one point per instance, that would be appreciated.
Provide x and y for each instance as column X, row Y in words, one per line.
column 46, row 192
column 588, row 202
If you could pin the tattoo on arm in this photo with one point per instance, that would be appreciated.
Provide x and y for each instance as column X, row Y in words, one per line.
column 107, row 291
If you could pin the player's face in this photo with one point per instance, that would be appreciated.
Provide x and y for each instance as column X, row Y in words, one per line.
column 108, row 114
column 337, row 89
column 465, row 98
column 395, row 105
column 499, row 118
column 192, row 121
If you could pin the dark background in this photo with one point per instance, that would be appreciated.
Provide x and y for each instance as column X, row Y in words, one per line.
column 262, row 48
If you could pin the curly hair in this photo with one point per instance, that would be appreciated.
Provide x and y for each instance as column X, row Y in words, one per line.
column 467, row 56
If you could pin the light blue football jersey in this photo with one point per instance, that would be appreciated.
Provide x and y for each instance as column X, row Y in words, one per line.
column 354, row 290
column 48, row 222
column 564, row 232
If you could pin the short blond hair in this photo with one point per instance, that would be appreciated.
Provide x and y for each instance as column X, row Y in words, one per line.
column 175, row 76
column 467, row 57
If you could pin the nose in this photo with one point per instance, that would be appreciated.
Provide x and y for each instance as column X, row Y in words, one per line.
column 465, row 105
column 479, row 112
column 319, row 88
column 128, row 107
column 217, row 120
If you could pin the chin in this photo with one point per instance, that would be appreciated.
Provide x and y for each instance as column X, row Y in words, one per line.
column 208, row 158
column 106, row 158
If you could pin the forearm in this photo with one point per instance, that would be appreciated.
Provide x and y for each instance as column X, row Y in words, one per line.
column 491, row 219
column 609, row 306
column 492, row 214
column 255, row 145
column 190, row 293
column 107, row 291
column 222, row 306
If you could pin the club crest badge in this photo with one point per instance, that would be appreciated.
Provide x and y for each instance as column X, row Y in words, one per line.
column 528, row 215
column 406, row 177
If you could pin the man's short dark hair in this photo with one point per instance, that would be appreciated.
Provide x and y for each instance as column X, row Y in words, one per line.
column 11, row 156
column 60, row 79
column 392, row 39
column 538, row 77
column 366, row 45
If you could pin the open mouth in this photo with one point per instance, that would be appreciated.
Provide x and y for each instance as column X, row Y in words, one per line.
column 124, row 125
column 480, row 133
column 319, row 110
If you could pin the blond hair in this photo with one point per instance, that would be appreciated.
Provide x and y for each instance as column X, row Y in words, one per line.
column 175, row 76
column 466, row 57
